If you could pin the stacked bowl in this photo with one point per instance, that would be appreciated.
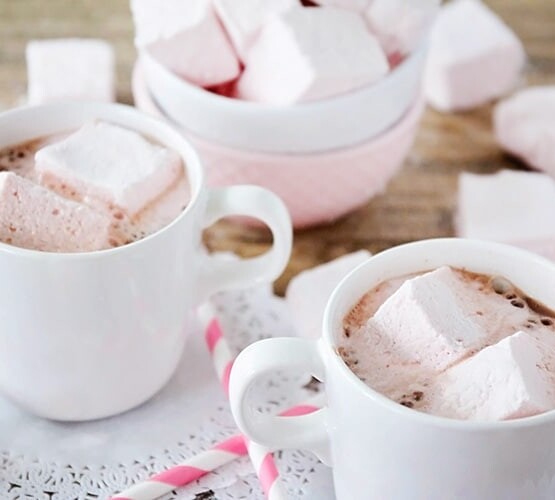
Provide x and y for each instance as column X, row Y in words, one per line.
column 324, row 158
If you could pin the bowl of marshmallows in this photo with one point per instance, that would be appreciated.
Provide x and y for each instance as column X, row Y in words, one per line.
column 317, row 101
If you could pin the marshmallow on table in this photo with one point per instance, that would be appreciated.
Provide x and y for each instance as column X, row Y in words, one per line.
column 35, row 218
column 507, row 380
column 287, row 63
column 525, row 126
column 186, row 37
column 474, row 57
column 110, row 164
column 70, row 68
column 426, row 321
column 400, row 24
column 508, row 207
column 309, row 291
column 244, row 19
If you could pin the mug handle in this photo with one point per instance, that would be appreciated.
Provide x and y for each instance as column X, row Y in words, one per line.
column 308, row 432
column 252, row 201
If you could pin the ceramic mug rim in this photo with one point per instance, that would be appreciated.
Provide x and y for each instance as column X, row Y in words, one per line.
column 327, row 343
column 188, row 154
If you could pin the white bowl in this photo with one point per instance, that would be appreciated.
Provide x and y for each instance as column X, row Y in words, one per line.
column 325, row 125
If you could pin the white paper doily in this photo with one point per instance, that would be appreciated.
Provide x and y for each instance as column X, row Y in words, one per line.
column 43, row 460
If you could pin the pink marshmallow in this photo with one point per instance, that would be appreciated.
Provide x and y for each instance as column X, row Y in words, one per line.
column 525, row 126
column 401, row 24
column 71, row 68
column 510, row 379
column 287, row 63
column 35, row 218
column 426, row 320
column 509, row 207
column 355, row 5
column 474, row 57
column 309, row 292
column 244, row 19
column 187, row 37
column 108, row 164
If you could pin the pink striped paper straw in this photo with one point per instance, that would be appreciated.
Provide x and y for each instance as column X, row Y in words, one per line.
column 205, row 462
column 222, row 358
column 187, row 472
column 226, row 451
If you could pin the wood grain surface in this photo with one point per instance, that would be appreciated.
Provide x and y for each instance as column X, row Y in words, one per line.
column 418, row 203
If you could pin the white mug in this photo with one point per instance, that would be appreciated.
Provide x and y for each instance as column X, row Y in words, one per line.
column 380, row 450
column 88, row 335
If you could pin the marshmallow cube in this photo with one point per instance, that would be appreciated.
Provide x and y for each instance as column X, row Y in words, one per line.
column 426, row 320
column 355, row 5
column 243, row 20
column 525, row 126
column 510, row 379
column 508, row 207
column 401, row 24
column 187, row 38
column 35, row 218
column 474, row 57
column 308, row 293
column 110, row 164
column 70, row 69
column 287, row 64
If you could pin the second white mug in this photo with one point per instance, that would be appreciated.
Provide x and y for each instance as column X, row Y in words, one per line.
column 380, row 450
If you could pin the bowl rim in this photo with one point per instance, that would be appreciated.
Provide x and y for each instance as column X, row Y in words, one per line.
column 410, row 116
column 242, row 105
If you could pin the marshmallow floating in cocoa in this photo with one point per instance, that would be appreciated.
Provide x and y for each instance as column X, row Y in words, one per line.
column 511, row 379
column 35, row 218
column 187, row 37
column 71, row 68
column 108, row 164
column 525, row 126
column 287, row 64
column 309, row 291
column 474, row 57
column 426, row 321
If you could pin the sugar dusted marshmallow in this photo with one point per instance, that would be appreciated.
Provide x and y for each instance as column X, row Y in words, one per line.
column 356, row 5
column 287, row 64
column 187, row 37
column 71, row 68
column 309, row 291
column 510, row 379
column 474, row 57
column 525, row 126
column 35, row 218
column 109, row 164
column 426, row 321
column 509, row 207
column 244, row 19
column 401, row 24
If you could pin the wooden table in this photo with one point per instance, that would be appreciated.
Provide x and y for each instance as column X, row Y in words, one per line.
column 419, row 202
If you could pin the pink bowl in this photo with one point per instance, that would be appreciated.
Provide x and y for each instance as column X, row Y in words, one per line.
column 316, row 187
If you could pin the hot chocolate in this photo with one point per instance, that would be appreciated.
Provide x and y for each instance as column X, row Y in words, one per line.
column 455, row 344
column 99, row 187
